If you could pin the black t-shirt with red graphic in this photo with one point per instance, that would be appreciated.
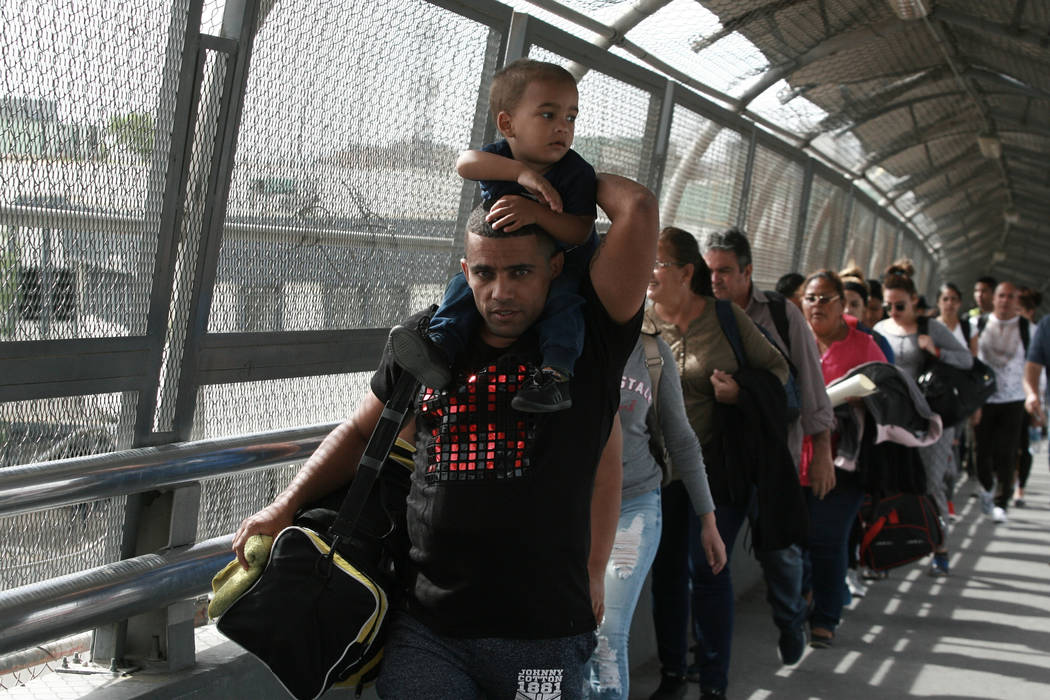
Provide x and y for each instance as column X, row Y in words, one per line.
column 499, row 511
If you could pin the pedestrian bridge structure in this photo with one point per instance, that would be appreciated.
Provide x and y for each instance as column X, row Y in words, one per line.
column 212, row 212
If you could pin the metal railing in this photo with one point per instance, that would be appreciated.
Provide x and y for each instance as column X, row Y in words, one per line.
column 367, row 234
column 36, row 613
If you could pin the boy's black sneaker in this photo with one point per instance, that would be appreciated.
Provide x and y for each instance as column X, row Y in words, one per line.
column 672, row 687
column 420, row 357
column 546, row 391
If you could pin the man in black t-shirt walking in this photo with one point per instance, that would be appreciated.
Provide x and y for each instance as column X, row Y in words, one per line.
column 508, row 545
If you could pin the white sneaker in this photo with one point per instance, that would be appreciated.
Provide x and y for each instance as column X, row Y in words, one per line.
column 999, row 515
column 856, row 587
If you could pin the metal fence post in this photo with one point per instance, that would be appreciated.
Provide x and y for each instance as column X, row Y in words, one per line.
column 745, row 187
column 803, row 216
column 654, row 162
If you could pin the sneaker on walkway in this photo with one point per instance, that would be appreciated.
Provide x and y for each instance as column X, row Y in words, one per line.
column 999, row 515
column 986, row 501
column 869, row 574
column 856, row 587
column 939, row 565
column 672, row 687
column 791, row 644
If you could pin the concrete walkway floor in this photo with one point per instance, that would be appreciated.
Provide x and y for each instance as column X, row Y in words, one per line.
column 983, row 632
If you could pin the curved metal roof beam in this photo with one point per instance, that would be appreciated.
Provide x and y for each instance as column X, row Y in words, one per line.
column 837, row 120
column 1013, row 32
column 634, row 15
column 980, row 195
column 913, row 141
column 952, row 222
column 929, row 133
column 955, row 189
column 843, row 41
column 1034, row 176
column 981, row 72
column 1025, row 154
column 874, row 114
column 983, row 198
column 949, row 222
column 1034, row 201
column 982, row 221
column 919, row 179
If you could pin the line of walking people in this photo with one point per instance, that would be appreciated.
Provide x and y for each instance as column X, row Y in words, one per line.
column 799, row 475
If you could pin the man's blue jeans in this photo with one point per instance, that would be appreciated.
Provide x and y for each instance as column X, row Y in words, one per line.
column 830, row 521
column 637, row 537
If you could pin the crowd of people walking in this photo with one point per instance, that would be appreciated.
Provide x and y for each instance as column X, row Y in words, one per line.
column 834, row 324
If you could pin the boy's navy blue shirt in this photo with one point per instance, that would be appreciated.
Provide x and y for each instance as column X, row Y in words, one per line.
column 572, row 176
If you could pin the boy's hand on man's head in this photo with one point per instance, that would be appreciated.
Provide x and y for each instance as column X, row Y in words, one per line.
column 540, row 187
column 511, row 212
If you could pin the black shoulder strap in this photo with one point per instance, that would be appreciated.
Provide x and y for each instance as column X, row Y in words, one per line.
column 923, row 322
column 982, row 321
column 375, row 454
column 727, row 319
column 964, row 323
column 778, row 311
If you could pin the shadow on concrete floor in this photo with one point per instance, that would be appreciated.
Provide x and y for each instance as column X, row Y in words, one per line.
column 983, row 632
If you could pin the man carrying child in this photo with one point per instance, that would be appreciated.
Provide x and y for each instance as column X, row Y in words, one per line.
column 511, row 516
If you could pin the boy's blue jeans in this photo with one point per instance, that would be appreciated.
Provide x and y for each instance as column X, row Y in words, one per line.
column 637, row 537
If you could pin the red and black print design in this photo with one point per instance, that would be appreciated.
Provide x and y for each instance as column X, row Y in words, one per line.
column 474, row 433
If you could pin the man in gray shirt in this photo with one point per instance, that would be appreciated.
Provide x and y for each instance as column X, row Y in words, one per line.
column 728, row 254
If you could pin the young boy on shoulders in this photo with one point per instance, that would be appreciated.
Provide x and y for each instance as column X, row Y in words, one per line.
column 531, row 177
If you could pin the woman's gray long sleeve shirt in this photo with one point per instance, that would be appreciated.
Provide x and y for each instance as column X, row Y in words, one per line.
column 641, row 472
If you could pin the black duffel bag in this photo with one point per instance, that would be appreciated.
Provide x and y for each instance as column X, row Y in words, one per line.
column 956, row 393
column 953, row 393
column 898, row 529
column 316, row 613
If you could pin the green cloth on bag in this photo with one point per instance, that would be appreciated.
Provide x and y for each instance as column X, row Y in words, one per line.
column 229, row 584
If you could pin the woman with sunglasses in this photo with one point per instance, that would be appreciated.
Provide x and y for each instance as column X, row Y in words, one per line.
column 912, row 350
column 683, row 311
column 842, row 347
